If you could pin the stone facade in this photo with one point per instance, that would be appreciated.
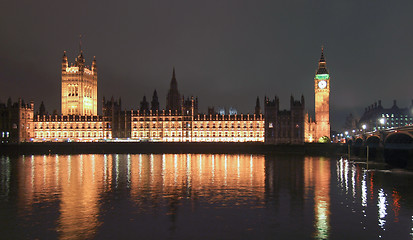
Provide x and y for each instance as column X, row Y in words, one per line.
column 179, row 122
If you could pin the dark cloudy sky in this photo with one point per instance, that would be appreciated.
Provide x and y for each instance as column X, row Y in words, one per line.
column 226, row 52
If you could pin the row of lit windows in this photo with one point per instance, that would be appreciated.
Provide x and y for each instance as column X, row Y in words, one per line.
column 69, row 134
column 207, row 139
column 392, row 115
column 70, row 126
column 179, row 119
column 201, row 126
column 198, row 134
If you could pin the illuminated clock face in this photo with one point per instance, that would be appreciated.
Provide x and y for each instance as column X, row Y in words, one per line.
column 322, row 84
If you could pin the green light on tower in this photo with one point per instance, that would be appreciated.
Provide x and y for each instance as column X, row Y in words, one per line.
column 322, row 76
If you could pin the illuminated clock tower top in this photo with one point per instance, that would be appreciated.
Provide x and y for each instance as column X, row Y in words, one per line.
column 322, row 99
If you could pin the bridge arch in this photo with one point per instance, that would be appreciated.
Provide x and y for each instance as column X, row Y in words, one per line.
column 399, row 137
column 373, row 141
column 398, row 149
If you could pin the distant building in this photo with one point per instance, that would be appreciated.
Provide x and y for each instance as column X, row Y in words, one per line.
column 376, row 117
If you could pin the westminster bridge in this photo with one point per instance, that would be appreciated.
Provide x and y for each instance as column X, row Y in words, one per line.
column 393, row 145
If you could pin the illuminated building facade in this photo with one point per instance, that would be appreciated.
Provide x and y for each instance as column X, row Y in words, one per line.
column 166, row 127
column 70, row 128
column 179, row 122
column 79, row 87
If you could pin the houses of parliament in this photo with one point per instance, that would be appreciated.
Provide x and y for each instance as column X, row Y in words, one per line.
column 179, row 121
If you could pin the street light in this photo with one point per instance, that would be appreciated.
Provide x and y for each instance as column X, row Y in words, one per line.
column 364, row 126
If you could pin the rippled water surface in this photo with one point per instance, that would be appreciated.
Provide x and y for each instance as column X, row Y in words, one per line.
column 201, row 196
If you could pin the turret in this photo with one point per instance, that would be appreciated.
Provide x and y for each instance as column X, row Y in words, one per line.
column 155, row 102
column 94, row 66
column 80, row 61
column 64, row 62
column 144, row 106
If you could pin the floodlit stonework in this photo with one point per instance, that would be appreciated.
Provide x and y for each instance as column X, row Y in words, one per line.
column 179, row 122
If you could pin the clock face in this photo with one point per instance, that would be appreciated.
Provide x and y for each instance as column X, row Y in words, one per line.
column 322, row 84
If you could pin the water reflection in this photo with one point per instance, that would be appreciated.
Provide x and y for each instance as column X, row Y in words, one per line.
column 4, row 176
column 318, row 175
column 218, row 179
column 71, row 180
column 80, row 195
column 375, row 194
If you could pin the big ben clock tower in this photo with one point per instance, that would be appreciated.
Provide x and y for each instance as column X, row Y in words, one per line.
column 322, row 99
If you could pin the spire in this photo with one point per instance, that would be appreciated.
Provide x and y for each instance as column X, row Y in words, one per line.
column 322, row 59
column 257, row 107
column 80, row 43
column 155, row 102
column 173, row 99
column 174, row 84
column 80, row 59
column 322, row 69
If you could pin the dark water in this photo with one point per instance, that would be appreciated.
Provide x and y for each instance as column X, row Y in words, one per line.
column 201, row 197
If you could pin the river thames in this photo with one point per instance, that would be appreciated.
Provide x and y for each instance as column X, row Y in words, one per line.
column 201, row 196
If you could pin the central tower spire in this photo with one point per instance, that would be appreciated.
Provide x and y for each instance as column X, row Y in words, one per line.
column 173, row 99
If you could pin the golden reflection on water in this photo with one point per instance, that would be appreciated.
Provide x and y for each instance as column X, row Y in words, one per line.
column 77, row 182
column 198, row 174
column 77, row 190
column 317, row 177
column 73, row 181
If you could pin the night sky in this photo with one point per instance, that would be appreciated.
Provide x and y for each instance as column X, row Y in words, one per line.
column 226, row 52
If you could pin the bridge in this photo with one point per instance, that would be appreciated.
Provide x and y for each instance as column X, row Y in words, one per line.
column 394, row 144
